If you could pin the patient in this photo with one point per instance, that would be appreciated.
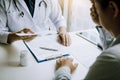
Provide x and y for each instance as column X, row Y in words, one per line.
column 105, row 37
column 107, row 65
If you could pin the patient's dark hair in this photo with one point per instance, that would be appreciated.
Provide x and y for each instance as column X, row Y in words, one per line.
column 104, row 3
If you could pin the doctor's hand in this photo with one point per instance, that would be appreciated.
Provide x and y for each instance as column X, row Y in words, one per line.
column 66, row 62
column 64, row 37
column 94, row 14
column 13, row 37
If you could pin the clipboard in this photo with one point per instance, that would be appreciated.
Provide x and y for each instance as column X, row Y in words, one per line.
column 42, row 55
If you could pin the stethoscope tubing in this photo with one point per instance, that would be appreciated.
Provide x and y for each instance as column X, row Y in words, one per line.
column 22, row 13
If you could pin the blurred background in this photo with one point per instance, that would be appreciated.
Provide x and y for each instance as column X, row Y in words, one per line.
column 77, row 14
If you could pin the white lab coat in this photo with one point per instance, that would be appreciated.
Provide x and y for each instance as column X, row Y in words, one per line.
column 49, row 18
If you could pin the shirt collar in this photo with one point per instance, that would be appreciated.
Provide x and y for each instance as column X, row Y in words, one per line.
column 116, row 40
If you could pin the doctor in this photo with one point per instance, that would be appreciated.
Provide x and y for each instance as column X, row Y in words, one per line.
column 31, row 16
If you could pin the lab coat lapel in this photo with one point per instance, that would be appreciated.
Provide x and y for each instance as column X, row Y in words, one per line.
column 26, row 11
column 23, row 4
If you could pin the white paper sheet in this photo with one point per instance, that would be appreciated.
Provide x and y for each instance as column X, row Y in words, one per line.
column 49, row 41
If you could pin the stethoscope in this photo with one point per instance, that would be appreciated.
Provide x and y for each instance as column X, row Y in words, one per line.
column 43, row 1
column 22, row 13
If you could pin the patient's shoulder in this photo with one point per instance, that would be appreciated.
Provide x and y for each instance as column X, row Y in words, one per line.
column 111, row 53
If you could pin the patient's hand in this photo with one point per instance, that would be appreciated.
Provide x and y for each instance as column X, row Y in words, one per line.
column 66, row 62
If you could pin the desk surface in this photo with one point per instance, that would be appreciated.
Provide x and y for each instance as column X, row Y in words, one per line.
column 83, row 51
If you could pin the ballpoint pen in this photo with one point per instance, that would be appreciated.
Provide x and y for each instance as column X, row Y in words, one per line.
column 53, row 58
column 50, row 49
column 60, row 56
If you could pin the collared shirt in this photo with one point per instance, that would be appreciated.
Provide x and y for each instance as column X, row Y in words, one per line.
column 63, row 73
column 31, row 6
column 106, row 66
column 105, row 37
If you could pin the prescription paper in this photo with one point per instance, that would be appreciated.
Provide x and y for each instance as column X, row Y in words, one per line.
column 48, row 41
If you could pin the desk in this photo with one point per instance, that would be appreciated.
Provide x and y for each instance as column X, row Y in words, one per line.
column 82, row 50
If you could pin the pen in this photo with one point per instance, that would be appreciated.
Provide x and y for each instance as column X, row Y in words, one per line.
column 52, row 58
column 50, row 49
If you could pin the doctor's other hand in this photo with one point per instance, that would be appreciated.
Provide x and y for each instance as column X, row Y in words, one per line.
column 64, row 37
column 66, row 62
column 13, row 37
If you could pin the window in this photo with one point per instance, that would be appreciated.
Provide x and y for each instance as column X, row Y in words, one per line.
column 77, row 14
